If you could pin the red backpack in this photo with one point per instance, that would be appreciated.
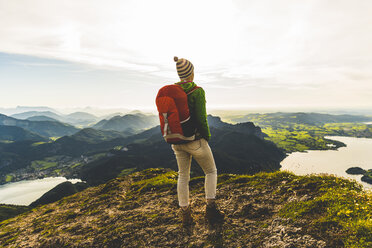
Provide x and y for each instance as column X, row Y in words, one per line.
column 175, row 123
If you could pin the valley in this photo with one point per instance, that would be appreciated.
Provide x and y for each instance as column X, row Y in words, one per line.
column 81, row 154
column 306, row 131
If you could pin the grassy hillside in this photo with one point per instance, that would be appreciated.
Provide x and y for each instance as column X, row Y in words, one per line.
column 50, row 158
column 9, row 210
column 13, row 133
column 264, row 210
column 303, row 131
column 43, row 128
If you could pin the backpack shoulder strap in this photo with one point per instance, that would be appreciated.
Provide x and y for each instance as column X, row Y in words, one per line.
column 192, row 90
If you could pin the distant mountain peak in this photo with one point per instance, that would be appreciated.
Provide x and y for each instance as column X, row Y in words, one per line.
column 126, row 122
column 82, row 115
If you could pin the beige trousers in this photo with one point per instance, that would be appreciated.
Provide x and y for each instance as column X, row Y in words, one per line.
column 202, row 153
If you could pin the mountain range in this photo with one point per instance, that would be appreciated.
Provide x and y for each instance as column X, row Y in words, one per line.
column 242, row 146
column 25, row 141
column 129, row 123
column 76, row 118
column 236, row 148
column 102, row 113
column 22, row 109
column 43, row 128
column 14, row 133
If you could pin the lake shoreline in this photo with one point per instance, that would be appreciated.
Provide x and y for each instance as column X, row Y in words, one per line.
column 25, row 192
column 336, row 161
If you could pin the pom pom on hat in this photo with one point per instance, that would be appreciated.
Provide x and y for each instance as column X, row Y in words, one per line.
column 184, row 67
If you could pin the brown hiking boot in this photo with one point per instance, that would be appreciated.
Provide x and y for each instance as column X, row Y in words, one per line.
column 213, row 215
column 187, row 219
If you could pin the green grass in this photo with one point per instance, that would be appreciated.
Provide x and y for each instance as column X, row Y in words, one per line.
column 349, row 129
column 126, row 172
column 117, row 148
column 8, row 178
column 38, row 143
column 300, row 137
column 334, row 209
column 46, row 163
column 8, row 211
column 76, row 165
column 344, row 208
column 43, row 165
column 162, row 181
column 301, row 132
column 336, row 203
column 6, row 141
column 99, row 155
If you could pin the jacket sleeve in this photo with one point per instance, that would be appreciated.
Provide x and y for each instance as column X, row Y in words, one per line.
column 201, row 114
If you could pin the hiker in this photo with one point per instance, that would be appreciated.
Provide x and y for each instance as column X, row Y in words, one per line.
column 198, row 149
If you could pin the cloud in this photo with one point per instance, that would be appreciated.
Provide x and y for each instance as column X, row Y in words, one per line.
column 38, row 64
column 239, row 44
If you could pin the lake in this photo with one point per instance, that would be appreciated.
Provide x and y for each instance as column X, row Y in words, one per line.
column 27, row 191
column 356, row 153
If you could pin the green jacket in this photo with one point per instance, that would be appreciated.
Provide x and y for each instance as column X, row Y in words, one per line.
column 196, row 101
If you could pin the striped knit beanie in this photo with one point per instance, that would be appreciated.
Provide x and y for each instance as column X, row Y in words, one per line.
column 184, row 68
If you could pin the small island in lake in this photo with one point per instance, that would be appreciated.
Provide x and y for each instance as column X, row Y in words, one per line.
column 367, row 174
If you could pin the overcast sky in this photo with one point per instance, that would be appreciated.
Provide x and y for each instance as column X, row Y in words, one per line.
column 245, row 53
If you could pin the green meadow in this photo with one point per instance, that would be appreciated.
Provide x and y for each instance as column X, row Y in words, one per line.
column 306, row 131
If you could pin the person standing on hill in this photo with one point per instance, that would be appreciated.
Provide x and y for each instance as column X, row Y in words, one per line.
column 198, row 149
